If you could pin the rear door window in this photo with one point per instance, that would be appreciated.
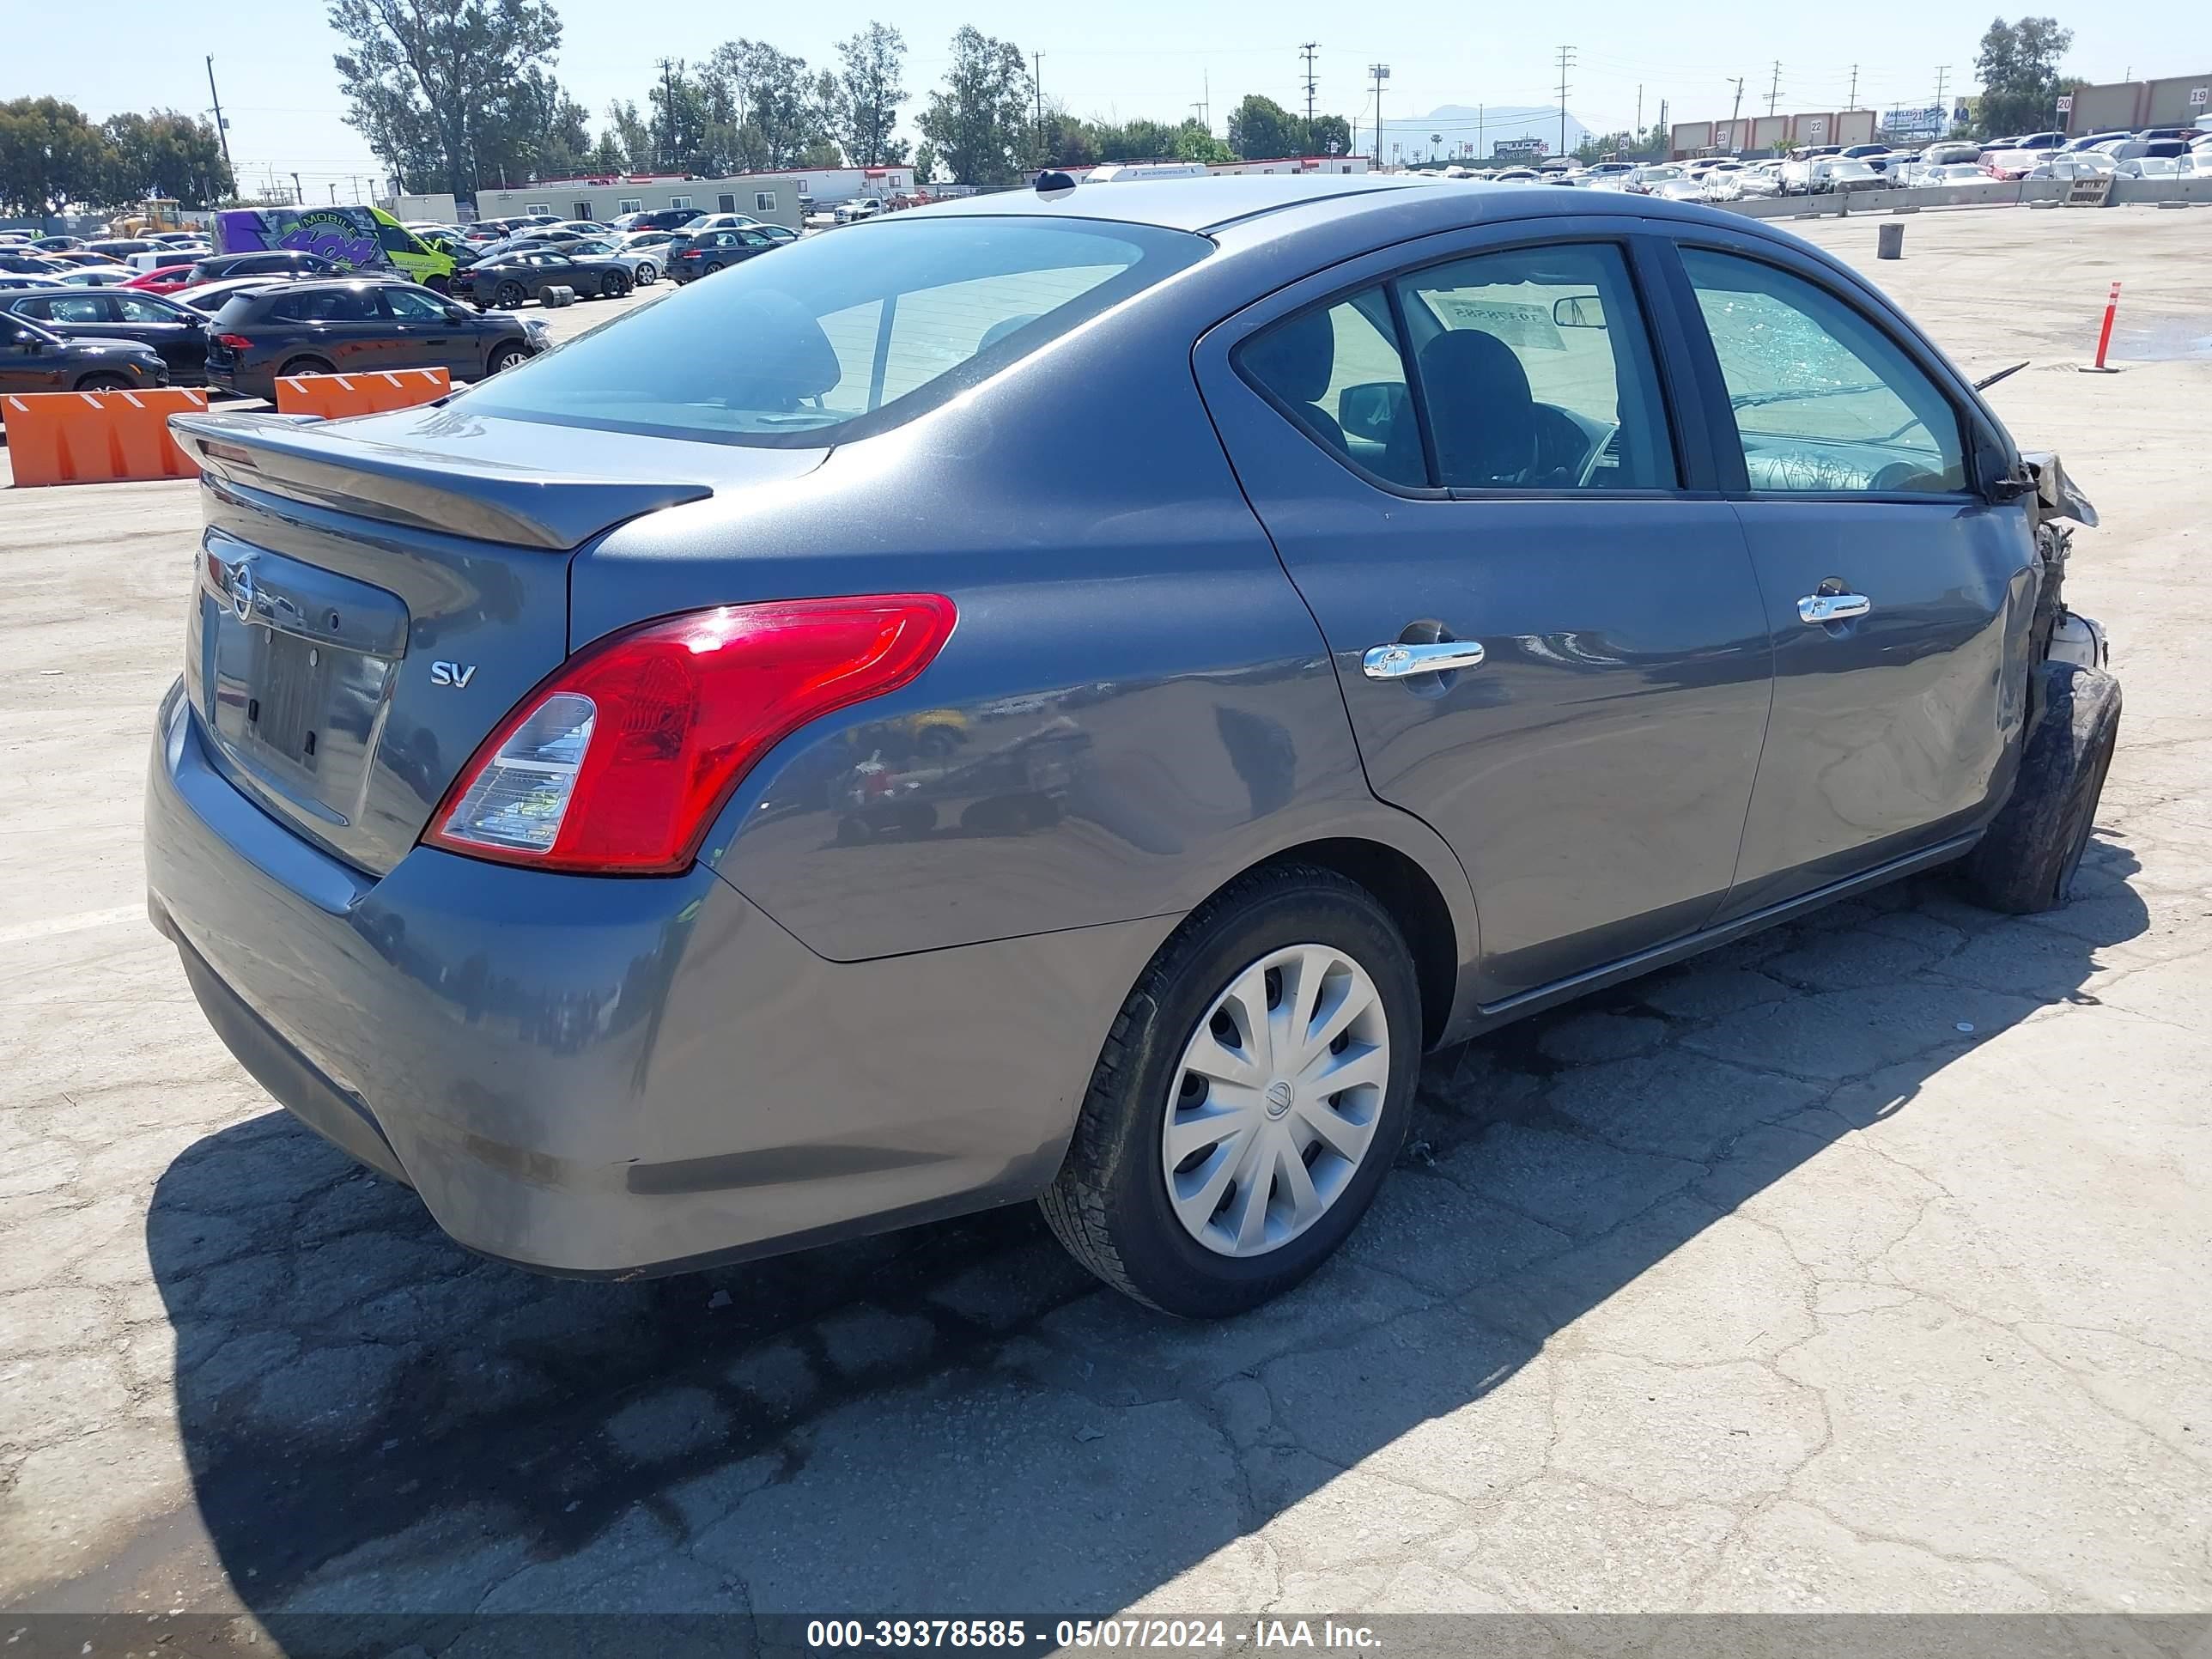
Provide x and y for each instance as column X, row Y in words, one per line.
column 1535, row 372
column 133, row 309
column 1824, row 401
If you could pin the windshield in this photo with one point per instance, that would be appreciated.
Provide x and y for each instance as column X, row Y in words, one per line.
column 838, row 336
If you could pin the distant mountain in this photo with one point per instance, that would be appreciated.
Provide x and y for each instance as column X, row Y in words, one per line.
column 1479, row 128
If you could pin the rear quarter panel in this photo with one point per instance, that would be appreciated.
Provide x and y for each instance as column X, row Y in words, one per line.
column 1135, row 706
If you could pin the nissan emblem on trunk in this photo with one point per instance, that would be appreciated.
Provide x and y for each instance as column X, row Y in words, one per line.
column 242, row 591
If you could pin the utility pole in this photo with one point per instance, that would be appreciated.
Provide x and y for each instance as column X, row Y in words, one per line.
column 1774, row 92
column 668, row 115
column 1736, row 112
column 1567, row 62
column 1307, row 50
column 1382, row 73
column 1037, row 80
column 1942, row 110
column 222, row 126
column 1852, row 102
column 334, row 194
column 1639, row 111
column 298, row 199
column 1204, row 107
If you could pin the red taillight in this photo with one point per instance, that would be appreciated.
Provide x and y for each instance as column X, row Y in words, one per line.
column 617, row 764
column 235, row 342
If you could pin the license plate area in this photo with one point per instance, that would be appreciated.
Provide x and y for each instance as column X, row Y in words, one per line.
column 297, row 667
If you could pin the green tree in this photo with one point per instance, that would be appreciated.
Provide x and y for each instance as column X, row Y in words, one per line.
column 684, row 135
column 1331, row 136
column 1260, row 127
column 607, row 155
column 534, row 129
column 165, row 154
column 1068, row 141
column 1194, row 141
column 978, row 119
column 51, row 157
column 780, row 115
column 869, row 94
column 2018, row 66
column 629, row 131
column 1134, row 140
column 434, row 67
column 925, row 162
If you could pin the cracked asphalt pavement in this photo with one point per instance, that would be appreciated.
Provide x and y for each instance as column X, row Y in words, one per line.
column 1861, row 1266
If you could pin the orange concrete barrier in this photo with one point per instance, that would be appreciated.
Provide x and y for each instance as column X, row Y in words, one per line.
column 97, row 437
column 333, row 396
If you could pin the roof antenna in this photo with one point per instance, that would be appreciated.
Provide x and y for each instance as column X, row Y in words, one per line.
column 1053, row 182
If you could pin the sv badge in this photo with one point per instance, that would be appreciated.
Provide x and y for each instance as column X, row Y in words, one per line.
column 453, row 674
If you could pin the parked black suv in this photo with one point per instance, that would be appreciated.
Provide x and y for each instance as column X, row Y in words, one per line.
column 78, row 314
column 358, row 326
column 36, row 359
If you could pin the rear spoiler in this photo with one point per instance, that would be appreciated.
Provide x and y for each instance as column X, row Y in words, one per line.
column 306, row 460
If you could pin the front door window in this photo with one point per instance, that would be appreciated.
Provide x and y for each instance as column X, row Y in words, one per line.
column 1824, row 401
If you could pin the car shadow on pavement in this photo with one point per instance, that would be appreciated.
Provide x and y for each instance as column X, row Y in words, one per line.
column 956, row 1420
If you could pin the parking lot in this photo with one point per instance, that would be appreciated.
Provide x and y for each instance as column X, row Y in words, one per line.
column 1862, row 1266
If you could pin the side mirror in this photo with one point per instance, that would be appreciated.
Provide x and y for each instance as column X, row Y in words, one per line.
column 1579, row 311
column 457, row 313
column 1372, row 411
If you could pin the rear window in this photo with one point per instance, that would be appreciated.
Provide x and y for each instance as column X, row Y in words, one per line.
column 841, row 336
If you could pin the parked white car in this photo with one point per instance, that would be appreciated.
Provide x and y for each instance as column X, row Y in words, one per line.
column 1950, row 173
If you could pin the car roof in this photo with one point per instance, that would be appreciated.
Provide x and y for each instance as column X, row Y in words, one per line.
column 1195, row 204
column 1414, row 205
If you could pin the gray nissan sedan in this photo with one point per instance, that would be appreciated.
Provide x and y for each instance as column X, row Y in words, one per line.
column 1066, row 694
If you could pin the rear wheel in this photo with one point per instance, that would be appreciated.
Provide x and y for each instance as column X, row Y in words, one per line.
column 438, row 285
column 103, row 383
column 510, row 294
column 2027, row 858
column 614, row 285
column 1251, row 1095
column 304, row 366
column 712, row 268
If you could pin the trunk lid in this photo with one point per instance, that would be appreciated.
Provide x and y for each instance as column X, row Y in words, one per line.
column 372, row 595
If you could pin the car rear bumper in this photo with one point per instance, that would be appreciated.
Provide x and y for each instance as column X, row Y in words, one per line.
column 597, row 1076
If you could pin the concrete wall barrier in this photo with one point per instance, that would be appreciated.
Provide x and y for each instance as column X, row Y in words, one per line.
column 97, row 437
column 335, row 396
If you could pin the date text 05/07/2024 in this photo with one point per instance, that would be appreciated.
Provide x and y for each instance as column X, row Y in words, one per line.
column 1016, row 1635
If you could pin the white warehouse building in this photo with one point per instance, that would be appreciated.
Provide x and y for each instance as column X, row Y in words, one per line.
column 781, row 198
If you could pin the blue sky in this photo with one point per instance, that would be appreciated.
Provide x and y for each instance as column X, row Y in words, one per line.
column 1157, row 58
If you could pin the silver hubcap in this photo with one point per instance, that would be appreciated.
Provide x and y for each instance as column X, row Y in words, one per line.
column 1275, row 1103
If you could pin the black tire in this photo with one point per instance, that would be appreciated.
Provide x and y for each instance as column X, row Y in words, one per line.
column 712, row 268
column 613, row 285
column 508, row 296
column 104, row 383
column 304, row 366
column 2027, row 858
column 1108, row 1205
column 439, row 285
column 504, row 356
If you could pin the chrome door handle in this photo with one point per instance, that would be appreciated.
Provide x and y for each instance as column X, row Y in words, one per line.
column 1833, row 607
column 1396, row 662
